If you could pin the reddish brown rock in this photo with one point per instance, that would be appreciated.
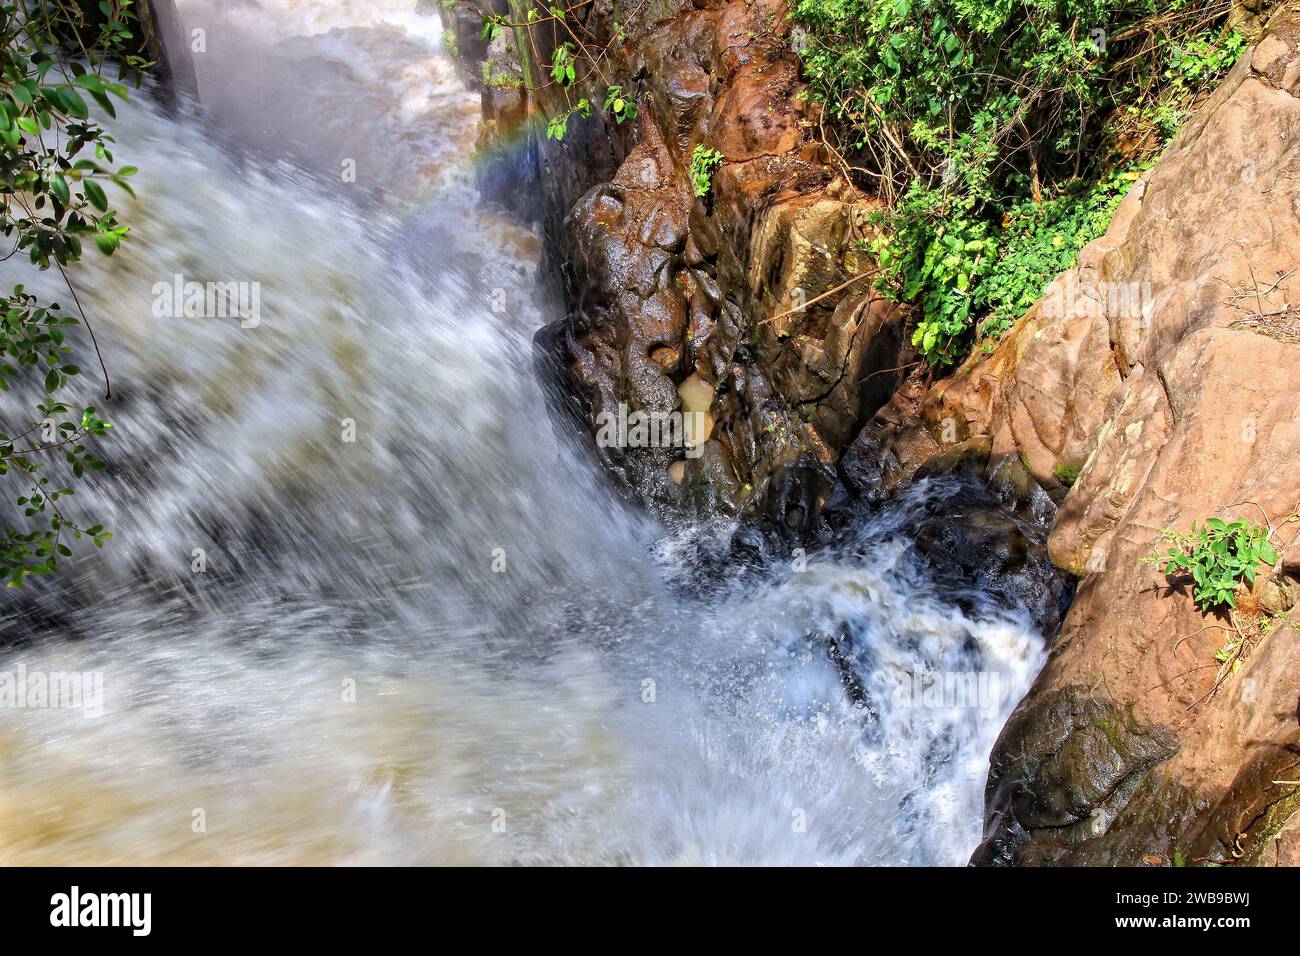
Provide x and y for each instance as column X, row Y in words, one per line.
column 748, row 288
column 1166, row 368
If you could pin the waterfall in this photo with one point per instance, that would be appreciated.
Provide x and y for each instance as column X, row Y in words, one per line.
column 364, row 604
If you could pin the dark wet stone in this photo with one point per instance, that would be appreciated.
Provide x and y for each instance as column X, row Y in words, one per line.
column 978, row 550
column 1075, row 763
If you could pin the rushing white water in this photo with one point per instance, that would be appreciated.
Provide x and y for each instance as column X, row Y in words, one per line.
column 350, row 680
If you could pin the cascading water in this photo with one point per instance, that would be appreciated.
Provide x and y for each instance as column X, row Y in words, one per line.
column 444, row 641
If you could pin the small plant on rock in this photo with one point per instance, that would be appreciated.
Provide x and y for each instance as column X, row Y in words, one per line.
column 620, row 104
column 1066, row 474
column 703, row 162
column 1219, row 556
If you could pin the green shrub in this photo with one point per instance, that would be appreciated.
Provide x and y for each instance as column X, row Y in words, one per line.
column 992, row 128
column 937, row 252
column 1041, row 241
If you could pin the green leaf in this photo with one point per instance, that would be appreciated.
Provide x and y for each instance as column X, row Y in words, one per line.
column 72, row 102
column 95, row 194
column 91, row 82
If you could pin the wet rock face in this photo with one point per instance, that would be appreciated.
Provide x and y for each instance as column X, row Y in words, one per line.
column 622, row 347
column 743, row 295
column 982, row 550
column 983, row 535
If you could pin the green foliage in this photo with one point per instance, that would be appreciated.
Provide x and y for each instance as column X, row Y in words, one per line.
column 935, row 263
column 563, row 71
column 703, row 162
column 1066, row 474
column 1203, row 57
column 1041, row 240
column 1167, row 119
column 558, row 125
column 621, row 108
column 985, row 123
column 54, row 160
column 493, row 24
column 1218, row 556
column 36, row 551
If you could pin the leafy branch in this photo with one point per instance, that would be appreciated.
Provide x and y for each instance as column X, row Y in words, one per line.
column 55, row 161
column 566, row 59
